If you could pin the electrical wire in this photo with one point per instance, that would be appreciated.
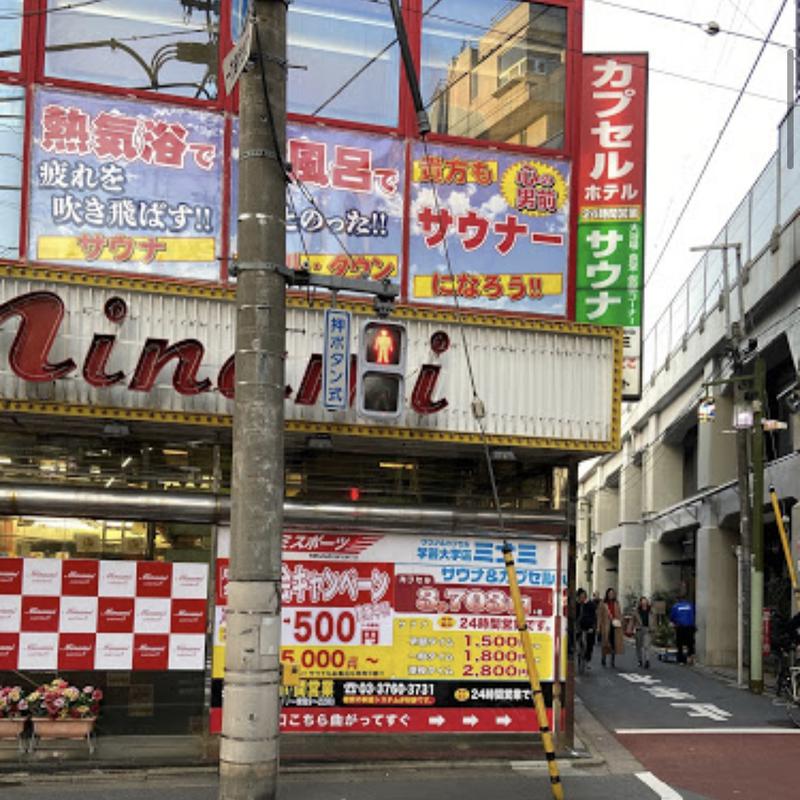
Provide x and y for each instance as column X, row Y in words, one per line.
column 364, row 67
column 703, row 26
column 714, row 147
column 290, row 177
column 477, row 403
column 41, row 13
column 285, row 167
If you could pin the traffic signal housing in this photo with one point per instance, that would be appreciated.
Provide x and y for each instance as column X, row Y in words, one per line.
column 382, row 349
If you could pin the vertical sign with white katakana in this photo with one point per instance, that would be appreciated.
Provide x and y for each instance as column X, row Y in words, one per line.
column 336, row 360
column 122, row 185
column 611, row 183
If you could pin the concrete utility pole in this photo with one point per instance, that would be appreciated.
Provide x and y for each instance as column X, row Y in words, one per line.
column 757, row 574
column 745, row 538
column 249, row 745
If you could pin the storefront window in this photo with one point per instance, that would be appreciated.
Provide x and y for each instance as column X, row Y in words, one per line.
column 10, row 34
column 12, row 112
column 495, row 70
column 345, row 61
column 75, row 537
column 166, row 46
column 318, row 475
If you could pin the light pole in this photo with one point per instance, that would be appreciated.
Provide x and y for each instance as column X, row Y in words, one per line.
column 751, row 517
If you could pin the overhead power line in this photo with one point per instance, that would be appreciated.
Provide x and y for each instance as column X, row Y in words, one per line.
column 43, row 12
column 711, row 28
column 715, row 146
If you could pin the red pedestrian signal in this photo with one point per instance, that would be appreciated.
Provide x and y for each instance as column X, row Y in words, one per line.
column 381, row 369
column 383, row 343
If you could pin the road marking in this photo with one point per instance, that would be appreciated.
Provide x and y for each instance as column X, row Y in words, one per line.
column 664, row 791
column 685, row 731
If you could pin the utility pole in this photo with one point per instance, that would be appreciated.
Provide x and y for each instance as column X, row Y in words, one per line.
column 744, row 564
column 589, row 552
column 249, row 744
column 757, row 574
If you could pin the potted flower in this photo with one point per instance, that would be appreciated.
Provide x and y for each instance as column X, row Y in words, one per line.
column 13, row 712
column 61, row 711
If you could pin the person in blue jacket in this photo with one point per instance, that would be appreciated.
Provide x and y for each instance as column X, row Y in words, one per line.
column 681, row 615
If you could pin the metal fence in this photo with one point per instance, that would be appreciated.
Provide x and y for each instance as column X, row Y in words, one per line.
column 771, row 202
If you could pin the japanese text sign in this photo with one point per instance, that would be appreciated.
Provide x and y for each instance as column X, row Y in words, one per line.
column 356, row 183
column 504, row 219
column 125, row 186
column 336, row 360
column 402, row 633
column 611, row 187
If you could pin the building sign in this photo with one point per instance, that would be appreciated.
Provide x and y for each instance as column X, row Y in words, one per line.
column 503, row 219
column 135, row 353
column 611, row 188
column 122, row 185
column 355, row 181
column 83, row 615
column 336, row 360
column 406, row 633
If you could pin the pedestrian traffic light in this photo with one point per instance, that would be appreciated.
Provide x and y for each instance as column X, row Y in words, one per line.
column 381, row 369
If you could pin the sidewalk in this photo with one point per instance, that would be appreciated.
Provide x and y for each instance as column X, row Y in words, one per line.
column 71, row 762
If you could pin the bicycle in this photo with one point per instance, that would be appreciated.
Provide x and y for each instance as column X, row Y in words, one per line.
column 787, row 684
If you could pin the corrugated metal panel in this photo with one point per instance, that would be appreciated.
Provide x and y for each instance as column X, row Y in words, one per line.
column 537, row 382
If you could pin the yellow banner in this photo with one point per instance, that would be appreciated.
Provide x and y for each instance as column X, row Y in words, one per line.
column 493, row 287
column 374, row 267
column 455, row 171
column 420, row 651
column 125, row 249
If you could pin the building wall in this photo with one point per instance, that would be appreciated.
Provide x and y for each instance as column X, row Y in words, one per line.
column 688, row 469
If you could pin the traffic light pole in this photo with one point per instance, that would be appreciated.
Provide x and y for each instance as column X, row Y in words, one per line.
column 251, row 706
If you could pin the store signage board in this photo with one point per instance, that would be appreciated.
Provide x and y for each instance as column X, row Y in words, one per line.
column 123, row 185
column 336, row 360
column 345, row 217
column 504, row 219
column 409, row 633
column 611, row 196
column 103, row 347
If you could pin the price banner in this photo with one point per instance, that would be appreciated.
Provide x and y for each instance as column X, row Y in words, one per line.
column 408, row 633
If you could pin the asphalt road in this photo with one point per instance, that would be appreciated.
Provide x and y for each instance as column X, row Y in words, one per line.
column 696, row 732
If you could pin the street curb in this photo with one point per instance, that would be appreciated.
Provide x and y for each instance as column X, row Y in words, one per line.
column 162, row 773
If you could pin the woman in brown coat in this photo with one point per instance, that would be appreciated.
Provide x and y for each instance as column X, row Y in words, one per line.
column 609, row 623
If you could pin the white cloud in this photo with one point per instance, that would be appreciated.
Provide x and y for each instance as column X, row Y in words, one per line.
column 495, row 205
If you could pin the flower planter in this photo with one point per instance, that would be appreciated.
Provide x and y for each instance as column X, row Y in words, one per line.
column 12, row 728
column 78, row 729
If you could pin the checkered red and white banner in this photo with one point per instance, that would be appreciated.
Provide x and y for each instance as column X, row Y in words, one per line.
column 87, row 615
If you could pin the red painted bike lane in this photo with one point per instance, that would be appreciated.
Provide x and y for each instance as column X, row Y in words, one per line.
column 731, row 766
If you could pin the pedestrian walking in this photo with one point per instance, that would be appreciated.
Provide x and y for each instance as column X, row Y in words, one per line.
column 586, row 621
column 643, row 624
column 609, row 623
column 681, row 615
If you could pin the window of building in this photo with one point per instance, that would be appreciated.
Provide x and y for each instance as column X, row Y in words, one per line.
column 10, row 34
column 167, row 46
column 495, row 70
column 345, row 61
column 12, row 113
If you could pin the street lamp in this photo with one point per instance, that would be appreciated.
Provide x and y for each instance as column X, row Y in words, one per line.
column 733, row 336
